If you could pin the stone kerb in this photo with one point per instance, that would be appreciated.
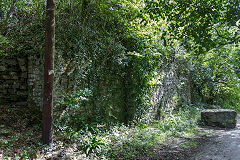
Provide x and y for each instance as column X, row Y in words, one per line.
column 224, row 118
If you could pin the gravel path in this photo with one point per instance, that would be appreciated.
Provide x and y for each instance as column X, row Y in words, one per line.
column 224, row 145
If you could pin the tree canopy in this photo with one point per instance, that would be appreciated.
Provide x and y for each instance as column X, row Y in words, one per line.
column 197, row 21
column 147, row 64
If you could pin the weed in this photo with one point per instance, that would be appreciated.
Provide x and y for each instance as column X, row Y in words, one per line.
column 92, row 145
column 190, row 144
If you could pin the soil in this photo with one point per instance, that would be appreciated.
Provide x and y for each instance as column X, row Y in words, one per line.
column 212, row 144
column 223, row 145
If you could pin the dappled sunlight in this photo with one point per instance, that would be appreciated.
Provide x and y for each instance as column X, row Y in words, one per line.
column 118, row 79
column 224, row 144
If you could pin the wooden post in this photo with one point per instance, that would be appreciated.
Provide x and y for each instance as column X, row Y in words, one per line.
column 47, row 115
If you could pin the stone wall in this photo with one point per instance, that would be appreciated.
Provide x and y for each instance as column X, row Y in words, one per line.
column 13, row 79
column 21, row 80
column 35, row 80
column 172, row 88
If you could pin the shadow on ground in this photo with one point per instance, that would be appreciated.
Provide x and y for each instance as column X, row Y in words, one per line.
column 224, row 144
column 20, row 131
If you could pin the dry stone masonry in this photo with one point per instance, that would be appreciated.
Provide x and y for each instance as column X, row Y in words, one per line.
column 21, row 80
column 13, row 79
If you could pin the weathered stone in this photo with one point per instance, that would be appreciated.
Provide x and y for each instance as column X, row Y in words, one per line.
column 21, row 61
column 11, row 91
column 14, row 77
column 5, row 85
column 22, row 93
column 24, row 103
column 23, row 68
column 12, row 73
column 11, row 61
column 24, row 75
column 4, row 91
column 21, row 79
column 23, row 87
column 2, row 68
column 224, row 118
column 6, row 77
column 15, row 86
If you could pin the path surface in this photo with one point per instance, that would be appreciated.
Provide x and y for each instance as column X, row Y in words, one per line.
column 223, row 145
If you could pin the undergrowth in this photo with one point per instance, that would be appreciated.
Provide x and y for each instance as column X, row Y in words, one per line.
column 137, row 140
column 107, row 141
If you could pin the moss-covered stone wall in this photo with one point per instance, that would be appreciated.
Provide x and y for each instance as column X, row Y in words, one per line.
column 21, row 80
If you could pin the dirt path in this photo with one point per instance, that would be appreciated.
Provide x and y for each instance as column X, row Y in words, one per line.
column 223, row 145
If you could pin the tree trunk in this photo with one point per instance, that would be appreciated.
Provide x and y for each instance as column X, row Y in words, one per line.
column 48, row 74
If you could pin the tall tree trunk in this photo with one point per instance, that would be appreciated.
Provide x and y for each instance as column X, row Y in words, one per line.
column 47, row 129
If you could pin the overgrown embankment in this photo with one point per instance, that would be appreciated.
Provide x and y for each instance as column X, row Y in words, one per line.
column 123, row 62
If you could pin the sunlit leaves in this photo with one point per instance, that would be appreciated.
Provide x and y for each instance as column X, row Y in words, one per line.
column 192, row 18
column 216, row 77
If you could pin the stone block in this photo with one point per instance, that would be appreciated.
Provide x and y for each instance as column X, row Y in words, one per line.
column 5, row 85
column 5, row 77
column 22, row 93
column 2, row 68
column 24, row 75
column 10, row 82
column 14, row 77
column 23, row 87
column 13, row 73
column 11, row 91
column 23, row 68
column 4, row 91
column 224, row 118
column 21, row 61
column 15, row 86
column 30, row 83
column 11, row 61
column 24, row 103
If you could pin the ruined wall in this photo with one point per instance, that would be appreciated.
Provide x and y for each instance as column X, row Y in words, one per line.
column 13, row 79
column 172, row 88
column 35, row 80
column 21, row 80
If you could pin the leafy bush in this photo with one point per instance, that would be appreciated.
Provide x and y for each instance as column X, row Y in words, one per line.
column 215, row 79
column 136, row 141
column 72, row 111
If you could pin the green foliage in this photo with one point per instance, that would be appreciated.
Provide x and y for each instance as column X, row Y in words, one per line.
column 190, row 144
column 236, row 62
column 92, row 145
column 118, row 141
column 133, row 142
column 24, row 29
column 183, row 121
column 5, row 46
column 192, row 21
column 71, row 111
column 108, row 61
column 98, row 52
column 215, row 78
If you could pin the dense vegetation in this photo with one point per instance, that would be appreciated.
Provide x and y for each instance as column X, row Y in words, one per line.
column 111, row 56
